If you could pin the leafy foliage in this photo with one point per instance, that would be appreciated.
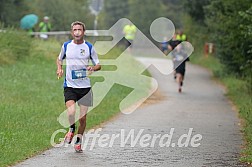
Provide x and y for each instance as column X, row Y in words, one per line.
column 228, row 20
column 62, row 14
column 246, row 32
column 11, row 11
column 196, row 9
column 229, row 27
column 114, row 11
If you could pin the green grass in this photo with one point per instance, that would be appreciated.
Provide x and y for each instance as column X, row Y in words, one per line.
column 209, row 62
column 32, row 99
column 14, row 46
column 238, row 92
column 30, row 103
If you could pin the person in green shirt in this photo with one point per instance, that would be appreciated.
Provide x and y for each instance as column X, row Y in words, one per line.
column 129, row 32
column 181, row 36
column 45, row 26
column 31, row 31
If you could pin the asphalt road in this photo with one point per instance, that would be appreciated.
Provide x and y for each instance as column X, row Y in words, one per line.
column 195, row 128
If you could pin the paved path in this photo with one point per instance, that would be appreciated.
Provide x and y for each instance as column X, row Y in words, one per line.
column 201, row 107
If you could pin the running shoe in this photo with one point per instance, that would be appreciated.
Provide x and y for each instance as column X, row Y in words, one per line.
column 69, row 137
column 77, row 147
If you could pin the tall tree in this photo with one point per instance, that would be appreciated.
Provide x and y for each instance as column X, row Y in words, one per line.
column 11, row 11
column 225, row 21
column 61, row 14
column 246, row 32
column 115, row 10
column 196, row 9
column 143, row 13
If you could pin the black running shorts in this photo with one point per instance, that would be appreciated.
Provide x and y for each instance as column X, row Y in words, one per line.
column 83, row 96
column 180, row 71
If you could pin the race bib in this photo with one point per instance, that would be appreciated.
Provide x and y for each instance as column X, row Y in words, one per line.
column 78, row 74
column 179, row 57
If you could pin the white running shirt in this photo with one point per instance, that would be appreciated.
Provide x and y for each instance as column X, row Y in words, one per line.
column 77, row 58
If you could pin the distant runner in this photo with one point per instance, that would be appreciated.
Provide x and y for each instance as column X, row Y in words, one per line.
column 129, row 32
column 179, row 59
column 171, row 45
column 164, row 45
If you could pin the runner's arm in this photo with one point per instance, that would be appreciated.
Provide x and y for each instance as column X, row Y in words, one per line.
column 59, row 63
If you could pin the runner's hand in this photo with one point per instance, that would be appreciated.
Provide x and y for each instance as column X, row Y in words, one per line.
column 90, row 70
column 60, row 72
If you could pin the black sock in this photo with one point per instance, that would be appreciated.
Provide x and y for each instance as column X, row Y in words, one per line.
column 77, row 140
column 72, row 128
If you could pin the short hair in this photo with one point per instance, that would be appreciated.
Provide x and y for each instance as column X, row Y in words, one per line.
column 46, row 18
column 78, row 23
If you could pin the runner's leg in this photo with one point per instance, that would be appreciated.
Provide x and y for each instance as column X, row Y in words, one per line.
column 179, row 81
column 82, row 119
column 81, row 128
column 70, row 104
